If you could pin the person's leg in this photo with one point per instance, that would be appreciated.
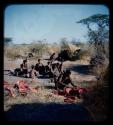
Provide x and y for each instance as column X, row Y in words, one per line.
column 60, row 89
column 55, row 81
column 50, row 74
column 34, row 78
column 56, row 85
column 25, row 73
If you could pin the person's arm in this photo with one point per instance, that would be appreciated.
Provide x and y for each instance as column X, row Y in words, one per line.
column 60, row 81
column 35, row 73
column 72, row 83
column 37, row 67
column 51, row 69
column 21, row 67
column 64, row 84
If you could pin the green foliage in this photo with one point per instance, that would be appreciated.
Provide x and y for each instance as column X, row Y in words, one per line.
column 98, row 38
column 77, row 43
column 100, row 19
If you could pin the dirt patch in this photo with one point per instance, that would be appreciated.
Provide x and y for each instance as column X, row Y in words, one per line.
column 44, row 96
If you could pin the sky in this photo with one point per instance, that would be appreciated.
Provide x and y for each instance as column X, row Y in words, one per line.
column 28, row 23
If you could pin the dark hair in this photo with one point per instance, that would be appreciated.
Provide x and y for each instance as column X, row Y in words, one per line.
column 39, row 60
column 32, row 66
column 24, row 61
column 68, row 72
column 57, row 63
column 62, row 60
column 48, row 63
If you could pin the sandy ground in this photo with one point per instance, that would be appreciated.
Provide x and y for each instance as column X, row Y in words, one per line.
column 36, row 106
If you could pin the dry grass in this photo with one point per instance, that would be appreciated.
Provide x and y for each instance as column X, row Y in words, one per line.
column 17, row 51
column 44, row 94
column 97, row 97
column 53, row 48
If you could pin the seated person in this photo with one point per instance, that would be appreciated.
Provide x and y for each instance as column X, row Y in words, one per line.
column 33, row 72
column 22, row 71
column 48, row 70
column 24, row 68
column 64, row 81
column 40, row 67
column 17, row 72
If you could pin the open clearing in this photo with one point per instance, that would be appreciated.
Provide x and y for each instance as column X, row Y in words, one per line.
column 44, row 105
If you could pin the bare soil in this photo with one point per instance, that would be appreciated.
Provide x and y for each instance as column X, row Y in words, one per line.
column 44, row 105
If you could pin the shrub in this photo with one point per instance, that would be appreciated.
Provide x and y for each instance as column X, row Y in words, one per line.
column 81, row 54
column 16, row 51
column 65, row 55
column 12, row 52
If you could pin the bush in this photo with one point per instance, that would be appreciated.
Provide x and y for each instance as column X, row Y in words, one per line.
column 17, row 51
column 12, row 52
column 72, row 56
column 65, row 55
column 99, row 64
column 81, row 54
column 72, row 51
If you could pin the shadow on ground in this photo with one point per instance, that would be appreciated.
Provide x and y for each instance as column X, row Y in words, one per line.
column 49, row 87
column 51, row 112
column 82, row 69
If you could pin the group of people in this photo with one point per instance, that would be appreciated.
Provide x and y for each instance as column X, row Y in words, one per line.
column 53, row 69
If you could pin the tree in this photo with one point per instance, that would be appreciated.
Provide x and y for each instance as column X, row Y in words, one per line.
column 98, row 37
column 7, row 41
column 77, row 43
column 98, row 30
column 64, row 43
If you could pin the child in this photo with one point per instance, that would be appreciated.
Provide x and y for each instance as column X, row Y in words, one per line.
column 33, row 73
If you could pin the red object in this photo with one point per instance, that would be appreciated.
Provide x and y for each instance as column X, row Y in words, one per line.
column 23, row 87
column 7, row 86
column 67, row 90
column 82, row 90
column 69, row 99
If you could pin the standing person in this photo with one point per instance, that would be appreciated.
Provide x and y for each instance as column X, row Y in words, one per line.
column 24, row 68
column 40, row 67
column 33, row 73
column 52, row 57
column 60, row 66
column 55, row 70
